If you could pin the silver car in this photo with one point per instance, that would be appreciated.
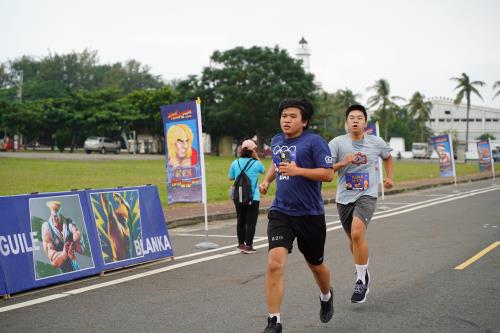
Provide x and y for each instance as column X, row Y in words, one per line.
column 101, row 144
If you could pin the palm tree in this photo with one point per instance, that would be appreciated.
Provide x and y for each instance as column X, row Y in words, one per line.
column 495, row 86
column 465, row 88
column 420, row 111
column 384, row 102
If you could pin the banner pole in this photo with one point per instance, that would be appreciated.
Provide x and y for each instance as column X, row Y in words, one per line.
column 205, row 245
column 491, row 159
column 450, row 140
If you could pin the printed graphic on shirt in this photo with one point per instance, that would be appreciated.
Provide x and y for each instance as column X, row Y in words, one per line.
column 285, row 154
column 357, row 181
column 360, row 158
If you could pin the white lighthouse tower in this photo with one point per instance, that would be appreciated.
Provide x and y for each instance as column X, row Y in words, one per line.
column 304, row 53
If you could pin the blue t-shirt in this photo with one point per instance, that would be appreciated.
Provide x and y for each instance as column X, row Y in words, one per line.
column 297, row 195
column 252, row 173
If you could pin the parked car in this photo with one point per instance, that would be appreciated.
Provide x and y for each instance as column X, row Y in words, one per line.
column 496, row 155
column 101, row 144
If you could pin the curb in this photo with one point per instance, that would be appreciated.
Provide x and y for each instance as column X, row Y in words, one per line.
column 225, row 216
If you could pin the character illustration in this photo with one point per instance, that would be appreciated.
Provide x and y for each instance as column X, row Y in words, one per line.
column 61, row 239
column 118, row 226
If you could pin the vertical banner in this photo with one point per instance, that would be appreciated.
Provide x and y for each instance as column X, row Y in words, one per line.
column 444, row 148
column 181, row 123
column 485, row 156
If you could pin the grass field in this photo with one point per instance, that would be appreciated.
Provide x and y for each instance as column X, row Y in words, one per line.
column 20, row 176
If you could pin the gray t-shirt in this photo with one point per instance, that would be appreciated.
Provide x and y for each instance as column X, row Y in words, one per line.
column 360, row 177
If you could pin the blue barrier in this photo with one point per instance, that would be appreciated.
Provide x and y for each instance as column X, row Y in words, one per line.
column 51, row 238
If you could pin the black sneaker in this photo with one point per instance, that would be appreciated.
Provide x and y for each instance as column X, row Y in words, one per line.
column 360, row 291
column 326, row 312
column 273, row 326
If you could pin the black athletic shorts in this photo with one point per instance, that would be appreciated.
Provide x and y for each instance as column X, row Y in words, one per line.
column 310, row 231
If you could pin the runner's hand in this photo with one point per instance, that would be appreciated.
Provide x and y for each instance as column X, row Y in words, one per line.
column 348, row 160
column 388, row 183
column 263, row 187
column 288, row 169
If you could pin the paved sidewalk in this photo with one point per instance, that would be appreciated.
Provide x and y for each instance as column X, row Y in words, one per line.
column 187, row 214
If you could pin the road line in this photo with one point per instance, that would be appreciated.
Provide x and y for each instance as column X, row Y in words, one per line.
column 221, row 255
column 473, row 259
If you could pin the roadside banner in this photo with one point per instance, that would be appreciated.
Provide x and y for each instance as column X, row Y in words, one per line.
column 130, row 226
column 485, row 156
column 34, row 251
column 52, row 238
column 444, row 148
column 184, row 153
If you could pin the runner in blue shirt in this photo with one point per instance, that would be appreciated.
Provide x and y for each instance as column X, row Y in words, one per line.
column 301, row 161
column 356, row 157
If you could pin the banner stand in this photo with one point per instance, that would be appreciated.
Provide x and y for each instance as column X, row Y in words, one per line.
column 206, row 244
column 492, row 164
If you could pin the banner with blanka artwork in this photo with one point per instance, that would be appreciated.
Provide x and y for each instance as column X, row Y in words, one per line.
column 444, row 148
column 184, row 153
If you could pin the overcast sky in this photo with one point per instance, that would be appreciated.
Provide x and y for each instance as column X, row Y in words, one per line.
column 416, row 45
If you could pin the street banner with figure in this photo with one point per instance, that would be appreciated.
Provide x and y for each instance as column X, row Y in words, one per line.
column 485, row 156
column 182, row 126
column 444, row 148
column 52, row 238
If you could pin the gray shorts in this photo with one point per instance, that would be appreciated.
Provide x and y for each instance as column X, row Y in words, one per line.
column 362, row 208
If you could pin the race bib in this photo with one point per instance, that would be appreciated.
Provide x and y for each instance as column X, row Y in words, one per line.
column 357, row 181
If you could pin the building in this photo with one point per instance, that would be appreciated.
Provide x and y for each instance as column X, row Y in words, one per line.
column 304, row 53
column 446, row 116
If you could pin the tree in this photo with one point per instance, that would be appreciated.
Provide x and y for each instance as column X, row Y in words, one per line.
column 486, row 136
column 242, row 88
column 146, row 106
column 384, row 103
column 420, row 111
column 465, row 87
column 495, row 86
column 330, row 119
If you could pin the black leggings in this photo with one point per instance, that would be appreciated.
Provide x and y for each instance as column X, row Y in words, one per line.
column 246, row 222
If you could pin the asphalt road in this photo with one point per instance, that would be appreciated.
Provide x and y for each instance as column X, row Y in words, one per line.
column 416, row 241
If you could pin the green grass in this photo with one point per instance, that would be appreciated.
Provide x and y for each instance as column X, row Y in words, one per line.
column 19, row 176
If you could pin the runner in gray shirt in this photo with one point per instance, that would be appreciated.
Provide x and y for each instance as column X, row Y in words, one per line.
column 355, row 157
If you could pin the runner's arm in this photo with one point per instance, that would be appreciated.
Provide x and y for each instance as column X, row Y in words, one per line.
column 268, row 179
column 389, row 171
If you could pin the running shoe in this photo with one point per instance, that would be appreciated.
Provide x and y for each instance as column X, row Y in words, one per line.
column 326, row 312
column 273, row 326
column 361, row 290
column 249, row 249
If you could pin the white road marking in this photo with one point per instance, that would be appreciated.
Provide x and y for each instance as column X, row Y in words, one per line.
column 396, row 211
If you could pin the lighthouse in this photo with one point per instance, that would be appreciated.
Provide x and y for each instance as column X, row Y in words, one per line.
column 304, row 53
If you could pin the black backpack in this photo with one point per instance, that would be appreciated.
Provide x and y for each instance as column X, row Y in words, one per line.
column 242, row 187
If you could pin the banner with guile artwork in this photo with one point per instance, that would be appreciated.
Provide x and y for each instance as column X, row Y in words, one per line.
column 51, row 238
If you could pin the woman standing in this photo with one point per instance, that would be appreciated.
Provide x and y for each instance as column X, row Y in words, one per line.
column 247, row 214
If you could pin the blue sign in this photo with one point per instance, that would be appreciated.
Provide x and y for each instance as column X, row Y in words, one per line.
column 57, row 237
column 184, row 153
column 442, row 145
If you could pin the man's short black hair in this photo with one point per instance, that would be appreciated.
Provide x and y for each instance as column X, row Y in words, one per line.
column 356, row 107
column 306, row 108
